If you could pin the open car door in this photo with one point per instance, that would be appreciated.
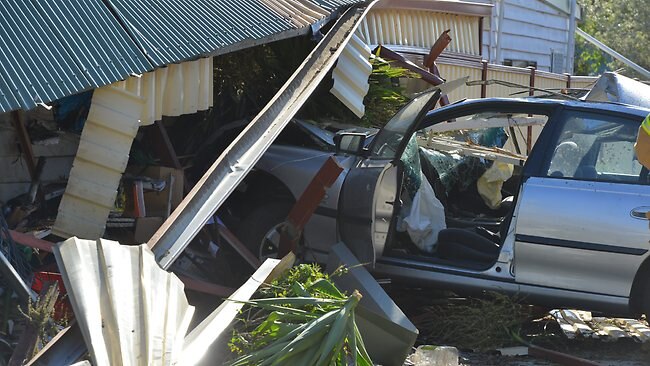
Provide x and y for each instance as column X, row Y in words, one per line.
column 370, row 193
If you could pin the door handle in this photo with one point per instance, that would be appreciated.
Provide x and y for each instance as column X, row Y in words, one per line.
column 640, row 213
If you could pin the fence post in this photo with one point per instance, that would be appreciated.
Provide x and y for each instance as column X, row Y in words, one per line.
column 531, row 92
column 568, row 80
column 484, row 78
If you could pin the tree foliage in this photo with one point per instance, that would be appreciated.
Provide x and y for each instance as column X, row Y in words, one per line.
column 623, row 25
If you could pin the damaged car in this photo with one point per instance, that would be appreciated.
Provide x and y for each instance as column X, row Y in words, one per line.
column 435, row 199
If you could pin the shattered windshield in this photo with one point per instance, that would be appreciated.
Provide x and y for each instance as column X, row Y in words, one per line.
column 389, row 138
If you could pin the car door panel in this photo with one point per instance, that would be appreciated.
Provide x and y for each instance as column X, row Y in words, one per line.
column 580, row 235
column 357, row 205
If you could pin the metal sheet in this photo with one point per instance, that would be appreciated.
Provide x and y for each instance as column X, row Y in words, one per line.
column 420, row 29
column 239, row 158
column 351, row 75
column 177, row 31
column 130, row 311
column 613, row 87
column 173, row 91
column 53, row 49
column 103, row 154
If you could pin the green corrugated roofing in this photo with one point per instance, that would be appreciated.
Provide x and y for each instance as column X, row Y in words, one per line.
column 51, row 49
column 169, row 31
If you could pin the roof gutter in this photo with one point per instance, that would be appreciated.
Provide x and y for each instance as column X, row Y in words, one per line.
column 239, row 158
column 603, row 47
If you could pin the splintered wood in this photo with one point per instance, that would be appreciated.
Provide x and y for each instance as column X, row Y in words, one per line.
column 580, row 324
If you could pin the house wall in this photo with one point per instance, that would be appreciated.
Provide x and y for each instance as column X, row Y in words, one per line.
column 532, row 30
column 58, row 153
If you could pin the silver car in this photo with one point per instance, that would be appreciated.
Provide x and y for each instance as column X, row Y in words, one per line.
column 571, row 229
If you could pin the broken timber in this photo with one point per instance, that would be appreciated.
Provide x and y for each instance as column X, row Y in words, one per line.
column 238, row 159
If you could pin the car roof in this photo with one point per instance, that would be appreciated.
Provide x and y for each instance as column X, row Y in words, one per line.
column 549, row 103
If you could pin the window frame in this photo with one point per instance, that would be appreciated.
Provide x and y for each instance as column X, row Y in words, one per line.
column 553, row 135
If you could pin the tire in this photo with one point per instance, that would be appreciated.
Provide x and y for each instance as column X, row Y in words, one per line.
column 645, row 298
column 255, row 230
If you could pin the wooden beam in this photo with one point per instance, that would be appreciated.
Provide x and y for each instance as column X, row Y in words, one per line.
column 31, row 241
column 156, row 134
column 25, row 142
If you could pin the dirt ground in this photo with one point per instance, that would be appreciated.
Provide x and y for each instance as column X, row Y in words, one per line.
column 536, row 327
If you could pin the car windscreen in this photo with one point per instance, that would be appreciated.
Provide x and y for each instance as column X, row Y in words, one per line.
column 387, row 142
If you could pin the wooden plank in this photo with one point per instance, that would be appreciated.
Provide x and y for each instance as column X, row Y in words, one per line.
column 25, row 142
column 31, row 241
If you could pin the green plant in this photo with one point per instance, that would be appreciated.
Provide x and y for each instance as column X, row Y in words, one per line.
column 307, row 321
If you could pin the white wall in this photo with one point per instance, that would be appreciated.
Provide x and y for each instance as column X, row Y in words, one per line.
column 532, row 29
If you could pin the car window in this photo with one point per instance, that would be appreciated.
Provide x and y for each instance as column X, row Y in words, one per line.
column 596, row 147
column 388, row 140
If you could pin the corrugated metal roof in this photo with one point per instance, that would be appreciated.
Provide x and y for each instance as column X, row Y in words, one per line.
column 331, row 5
column 190, row 29
column 53, row 49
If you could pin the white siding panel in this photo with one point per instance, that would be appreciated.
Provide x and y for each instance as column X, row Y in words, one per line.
column 112, row 123
column 538, row 31
column 351, row 75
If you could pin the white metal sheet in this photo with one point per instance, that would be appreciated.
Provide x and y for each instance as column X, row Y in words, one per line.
column 130, row 311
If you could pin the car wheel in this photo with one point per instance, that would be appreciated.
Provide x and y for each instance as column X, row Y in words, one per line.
column 645, row 298
column 259, row 231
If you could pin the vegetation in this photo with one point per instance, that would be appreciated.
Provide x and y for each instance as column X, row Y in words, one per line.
column 307, row 321
column 622, row 25
column 482, row 324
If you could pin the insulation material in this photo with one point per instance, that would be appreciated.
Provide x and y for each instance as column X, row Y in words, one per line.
column 351, row 75
column 174, row 90
column 102, row 156
column 490, row 183
column 129, row 310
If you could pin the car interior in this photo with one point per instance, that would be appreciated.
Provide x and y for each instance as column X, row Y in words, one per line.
column 474, row 231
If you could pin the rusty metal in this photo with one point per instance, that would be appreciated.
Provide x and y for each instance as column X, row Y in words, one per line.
column 568, row 80
column 401, row 61
column 441, row 43
column 304, row 208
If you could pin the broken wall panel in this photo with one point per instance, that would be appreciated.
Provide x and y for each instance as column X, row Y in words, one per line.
column 420, row 29
column 58, row 152
column 173, row 91
column 103, row 154
column 351, row 75
column 130, row 311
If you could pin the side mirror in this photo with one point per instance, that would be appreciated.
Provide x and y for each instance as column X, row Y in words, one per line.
column 349, row 143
